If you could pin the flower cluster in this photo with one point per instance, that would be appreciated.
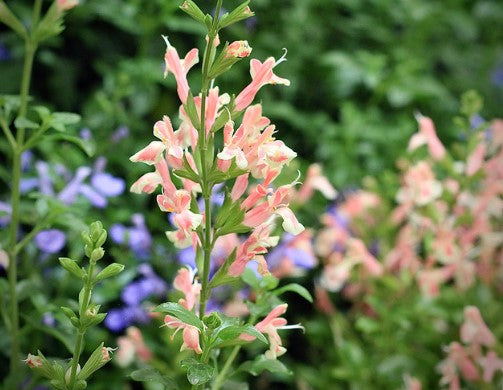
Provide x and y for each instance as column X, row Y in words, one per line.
column 474, row 359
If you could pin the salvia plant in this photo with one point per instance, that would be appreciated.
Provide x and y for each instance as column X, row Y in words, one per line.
column 71, row 375
column 25, row 126
column 223, row 140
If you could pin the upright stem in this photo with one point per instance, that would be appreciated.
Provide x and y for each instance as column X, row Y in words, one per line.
column 82, row 331
column 30, row 48
column 223, row 373
column 203, row 149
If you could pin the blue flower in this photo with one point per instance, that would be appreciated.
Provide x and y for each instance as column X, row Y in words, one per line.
column 137, row 237
column 50, row 241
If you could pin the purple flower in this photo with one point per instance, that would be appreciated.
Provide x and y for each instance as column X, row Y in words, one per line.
column 117, row 320
column 119, row 134
column 4, row 53
column 86, row 134
column 137, row 237
column 497, row 77
column 50, row 241
column 48, row 319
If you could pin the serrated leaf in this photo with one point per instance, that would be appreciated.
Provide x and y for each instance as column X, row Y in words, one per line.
column 180, row 312
column 297, row 288
column 153, row 375
column 197, row 373
column 262, row 363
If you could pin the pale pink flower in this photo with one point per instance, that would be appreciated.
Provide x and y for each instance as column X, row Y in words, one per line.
column 180, row 68
column 151, row 154
column 256, row 244
column 261, row 74
column 131, row 346
column 269, row 326
column 430, row 280
column 335, row 275
column 474, row 330
column 476, row 159
column 358, row 253
column 420, row 185
column 185, row 282
column 491, row 364
column 315, row 181
column 427, row 135
column 239, row 187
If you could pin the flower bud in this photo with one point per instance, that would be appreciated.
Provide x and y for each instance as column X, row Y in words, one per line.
column 96, row 230
column 68, row 373
column 111, row 270
column 65, row 5
column 102, row 238
column 98, row 359
column 212, row 320
column 97, row 254
column 238, row 49
column 33, row 361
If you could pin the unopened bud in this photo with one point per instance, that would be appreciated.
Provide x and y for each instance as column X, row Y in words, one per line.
column 102, row 238
column 238, row 49
column 98, row 359
column 33, row 361
column 212, row 320
column 97, row 254
column 68, row 373
column 65, row 5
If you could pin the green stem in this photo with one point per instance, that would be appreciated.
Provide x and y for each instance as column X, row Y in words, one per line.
column 203, row 150
column 219, row 380
column 82, row 331
column 17, row 147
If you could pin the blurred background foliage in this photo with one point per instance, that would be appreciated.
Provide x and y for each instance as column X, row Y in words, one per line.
column 359, row 70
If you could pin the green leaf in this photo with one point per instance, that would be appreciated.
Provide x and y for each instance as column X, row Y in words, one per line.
column 72, row 267
column 153, row 375
column 66, row 118
column 191, row 110
column 23, row 123
column 250, row 278
column 232, row 332
column 197, row 373
column 109, row 271
column 180, row 312
column 262, row 363
column 297, row 288
column 9, row 19
column 86, row 146
column 239, row 13
column 222, row 275
column 193, row 10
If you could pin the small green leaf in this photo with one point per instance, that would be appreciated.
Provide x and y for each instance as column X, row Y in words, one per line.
column 65, row 118
column 86, row 146
column 153, row 375
column 8, row 18
column 297, row 288
column 230, row 333
column 262, row 363
column 222, row 275
column 72, row 267
column 250, row 278
column 23, row 123
column 197, row 373
column 180, row 312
